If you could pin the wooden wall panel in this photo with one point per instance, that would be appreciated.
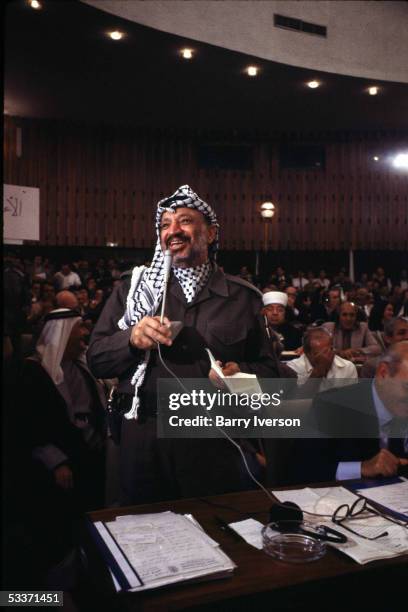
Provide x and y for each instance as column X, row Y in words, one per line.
column 102, row 184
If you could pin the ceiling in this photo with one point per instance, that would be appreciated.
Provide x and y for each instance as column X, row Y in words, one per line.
column 59, row 63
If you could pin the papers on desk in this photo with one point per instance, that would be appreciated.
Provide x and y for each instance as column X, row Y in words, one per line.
column 147, row 551
column 250, row 531
column 240, row 382
column 393, row 496
column 327, row 500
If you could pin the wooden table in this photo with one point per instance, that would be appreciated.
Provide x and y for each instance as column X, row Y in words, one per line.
column 258, row 580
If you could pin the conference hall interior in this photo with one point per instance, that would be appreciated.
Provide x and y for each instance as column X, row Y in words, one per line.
column 283, row 127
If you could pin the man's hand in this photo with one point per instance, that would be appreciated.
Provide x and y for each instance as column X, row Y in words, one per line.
column 350, row 354
column 63, row 477
column 321, row 362
column 228, row 369
column 148, row 332
column 383, row 463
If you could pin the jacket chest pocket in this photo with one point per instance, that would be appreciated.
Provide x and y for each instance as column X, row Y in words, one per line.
column 228, row 339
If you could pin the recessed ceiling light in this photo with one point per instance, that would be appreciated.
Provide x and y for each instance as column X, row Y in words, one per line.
column 373, row 91
column 313, row 84
column 251, row 71
column 187, row 53
column 35, row 4
column 376, row 158
column 116, row 35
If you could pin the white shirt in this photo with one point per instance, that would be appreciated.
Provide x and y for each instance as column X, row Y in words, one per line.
column 340, row 368
column 70, row 280
column 300, row 282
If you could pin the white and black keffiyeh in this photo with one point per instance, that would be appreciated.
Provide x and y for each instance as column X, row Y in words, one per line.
column 147, row 284
column 192, row 280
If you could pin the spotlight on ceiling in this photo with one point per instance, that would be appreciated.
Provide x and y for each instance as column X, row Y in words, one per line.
column 252, row 71
column 267, row 210
column 35, row 4
column 376, row 158
column 116, row 35
column 187, row 53
column 373, row 91
column 313, row 84
column 401, row 161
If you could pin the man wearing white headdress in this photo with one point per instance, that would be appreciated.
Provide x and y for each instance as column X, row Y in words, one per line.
column 67, row 427
column 62, row 408
column 217, row 311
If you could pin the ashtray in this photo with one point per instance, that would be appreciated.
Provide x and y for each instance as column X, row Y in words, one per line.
column 286, row 542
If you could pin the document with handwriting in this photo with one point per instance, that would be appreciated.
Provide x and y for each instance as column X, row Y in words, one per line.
column 163, row 548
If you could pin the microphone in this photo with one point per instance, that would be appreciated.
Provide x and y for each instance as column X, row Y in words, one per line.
column 166, row 274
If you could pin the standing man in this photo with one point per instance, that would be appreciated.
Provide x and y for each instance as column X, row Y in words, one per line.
column 217, row 311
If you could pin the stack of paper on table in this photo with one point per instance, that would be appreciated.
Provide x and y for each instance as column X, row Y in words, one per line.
column 327, row 500
column 393, row 496
column 147, row 551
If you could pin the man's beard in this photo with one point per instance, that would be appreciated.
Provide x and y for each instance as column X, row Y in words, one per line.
column 196, row 254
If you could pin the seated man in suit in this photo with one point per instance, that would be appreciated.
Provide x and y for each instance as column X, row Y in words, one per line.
column 395, row 330
column 352, row 338
column 366, row 426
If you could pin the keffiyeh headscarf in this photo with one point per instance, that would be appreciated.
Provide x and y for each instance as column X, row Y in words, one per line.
column 51, row 344
column 147, row 284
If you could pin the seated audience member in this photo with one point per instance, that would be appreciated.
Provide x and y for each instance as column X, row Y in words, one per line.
column 323, row 280
column 300, row 281
column 310, row 277
column 305, row 305
column 381, row 279
column 66, row 278
column 364, row 302
column 327, row 310
column 401, row 308
column 320, row 361
column 83, row 301
column 370, row 417
column 96, row 306
column 351, row 338
column 38, row 270
column 92, row 287
column 291, row 292
column 64, row 427
column 381, row 312
column 403, row 280
column 275, row 303
column 395, row 330
column 245, row 274
column 66, row 299
column 280, row 278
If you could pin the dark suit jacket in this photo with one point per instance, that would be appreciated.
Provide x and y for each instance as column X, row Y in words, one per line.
column 348, row 424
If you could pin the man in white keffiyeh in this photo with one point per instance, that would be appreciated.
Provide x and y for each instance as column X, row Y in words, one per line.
column 217, row 311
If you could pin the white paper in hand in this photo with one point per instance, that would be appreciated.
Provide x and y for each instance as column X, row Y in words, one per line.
column 241, row 382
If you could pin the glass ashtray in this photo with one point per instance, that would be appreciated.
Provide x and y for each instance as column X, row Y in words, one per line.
column 285, row 541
